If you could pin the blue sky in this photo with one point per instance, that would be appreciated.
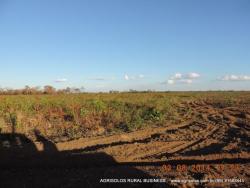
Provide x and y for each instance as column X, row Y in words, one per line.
column 125, row 44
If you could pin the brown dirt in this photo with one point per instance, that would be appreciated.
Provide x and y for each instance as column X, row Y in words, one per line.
column 213, row 136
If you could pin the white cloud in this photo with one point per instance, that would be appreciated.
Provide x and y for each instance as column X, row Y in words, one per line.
column 60, row 80
column 235, row 78
column 186, row 81
column 170, row 82
column 183, row 78
column 177, row 76
column 193, row 75
column 126, row 77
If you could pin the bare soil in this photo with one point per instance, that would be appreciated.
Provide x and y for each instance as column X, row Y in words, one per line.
column 213, row 136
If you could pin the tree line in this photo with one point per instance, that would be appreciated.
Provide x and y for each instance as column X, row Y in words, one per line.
column 48, row 89
column 27, row 90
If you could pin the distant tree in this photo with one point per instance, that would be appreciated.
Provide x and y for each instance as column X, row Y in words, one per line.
column 113, row 91
column 76, row 90
column 68, row 90
column 64, row 91
column 133, row 91
column 49, row 90
column 26, row 90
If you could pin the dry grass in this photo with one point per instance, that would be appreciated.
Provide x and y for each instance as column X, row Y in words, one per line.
column 71, row 116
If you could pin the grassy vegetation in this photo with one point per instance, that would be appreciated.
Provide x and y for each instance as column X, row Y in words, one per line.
column 70, row 116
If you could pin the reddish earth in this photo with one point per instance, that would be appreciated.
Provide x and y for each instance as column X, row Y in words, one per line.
column 212, row 144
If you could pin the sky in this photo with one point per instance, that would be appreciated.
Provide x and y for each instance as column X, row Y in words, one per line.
column 104, row 45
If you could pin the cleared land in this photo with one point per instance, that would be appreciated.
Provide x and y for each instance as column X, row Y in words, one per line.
column 74, row 140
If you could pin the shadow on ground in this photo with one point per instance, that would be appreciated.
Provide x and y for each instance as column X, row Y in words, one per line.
column 23, row 166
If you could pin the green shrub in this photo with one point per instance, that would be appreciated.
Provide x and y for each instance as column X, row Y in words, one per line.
column 83, row 112
column 13, row 119
column 152, row 114
column 98, row 105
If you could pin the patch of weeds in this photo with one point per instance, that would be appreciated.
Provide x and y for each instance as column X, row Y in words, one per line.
column 69, row 115
column 136, row 120
column 83, row 112
column 2, row 123
column 98, row 105
column 13, row 119
column 152, row 114
column 117, row 105
column 229, row 102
